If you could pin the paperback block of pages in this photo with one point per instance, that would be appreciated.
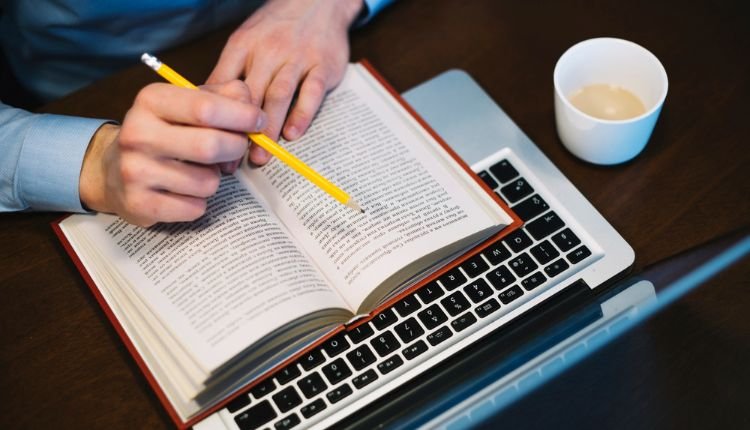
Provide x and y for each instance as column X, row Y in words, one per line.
column 275, row 263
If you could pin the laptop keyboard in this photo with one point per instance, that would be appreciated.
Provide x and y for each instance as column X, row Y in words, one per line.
column 521, row 264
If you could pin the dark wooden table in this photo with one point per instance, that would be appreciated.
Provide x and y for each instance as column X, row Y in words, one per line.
column 63, row 366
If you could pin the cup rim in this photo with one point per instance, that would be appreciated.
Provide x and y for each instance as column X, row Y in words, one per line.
column 646, row 114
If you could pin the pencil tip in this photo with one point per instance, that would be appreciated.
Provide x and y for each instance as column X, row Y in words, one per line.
column 354, row 205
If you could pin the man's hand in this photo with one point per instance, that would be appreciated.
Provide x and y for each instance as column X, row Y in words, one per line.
column 167, row 158
column 284, row 47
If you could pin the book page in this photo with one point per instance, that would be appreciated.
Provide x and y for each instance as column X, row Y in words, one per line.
column 412, row 206
column 220, row 283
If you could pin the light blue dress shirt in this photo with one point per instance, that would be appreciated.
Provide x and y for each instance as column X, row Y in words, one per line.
column 58, row 46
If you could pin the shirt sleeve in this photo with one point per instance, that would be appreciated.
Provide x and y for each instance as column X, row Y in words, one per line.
column 371, row 8
column 41, row 159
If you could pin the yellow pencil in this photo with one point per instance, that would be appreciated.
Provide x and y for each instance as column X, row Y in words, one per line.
column 262, row 140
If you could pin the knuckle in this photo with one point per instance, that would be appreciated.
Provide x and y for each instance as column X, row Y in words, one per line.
column 204, row 111
column 146, row 94
column 129, row 171
column 208, row 148
column 196, row 210
column 281, row 89
column 239, row 90
column 210, row 184
column 135, row 206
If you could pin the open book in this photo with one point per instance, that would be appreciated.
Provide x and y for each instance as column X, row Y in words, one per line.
column 275, row 263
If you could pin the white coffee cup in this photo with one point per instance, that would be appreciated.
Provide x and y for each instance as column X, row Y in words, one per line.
column 614, row 62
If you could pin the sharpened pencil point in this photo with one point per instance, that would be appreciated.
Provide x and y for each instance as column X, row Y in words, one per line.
column 354, row 205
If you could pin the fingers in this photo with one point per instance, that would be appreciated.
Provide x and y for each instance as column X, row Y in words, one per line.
column 147, row 207
column 234, row 89
column 199, row 108
column 152, row 190
column 200, row 145
column 163, row 164
column 311, row 94
column 277, row 97
column 171, row 176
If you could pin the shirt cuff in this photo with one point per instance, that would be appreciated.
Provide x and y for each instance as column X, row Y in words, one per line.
column 49, row 167
column 370, row 9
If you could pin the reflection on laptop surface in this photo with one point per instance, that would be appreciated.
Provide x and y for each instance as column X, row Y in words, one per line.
column 559, row 345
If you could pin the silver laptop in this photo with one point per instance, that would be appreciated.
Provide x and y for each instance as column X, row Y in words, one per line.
column 565, row 246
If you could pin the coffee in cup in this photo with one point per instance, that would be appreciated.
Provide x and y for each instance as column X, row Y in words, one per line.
column 608, row 95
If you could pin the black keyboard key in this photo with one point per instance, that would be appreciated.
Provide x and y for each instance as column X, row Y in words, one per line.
column 313, row 408
column 312, row 359
column 478, row 290
column 438, row 336
column 463, row 321
column 365, row 379
column 430, row 292
column 533, row 281
column 452, row 279
column 408, row 305
column 263, row 388
column 512, row 293
column 287, row 374
column 487, row 308
column 312, row 385
column 500, row 277
column 361, row 357
column 384, row 319
column 240, row 402
column 518, row 240
column 339, row 393
column 432, row 317
column 545, row 225
column 530, row 207
column 256, row 416
column 475, row 266
column 504, row 171
column 286, row 399
column 336, row 345
column 544, row 252
column 336, row 371
column 516, row 190
column 288, row 422
column 566, row 240
column 556, row 268
column 408, row 330
column 579, row 254
column 414, row 350
column 388, row 365
column 385, row 343
column 489, row 180
column 496, row 253
column 522, row 265
column 361, row 332
column 455, row 303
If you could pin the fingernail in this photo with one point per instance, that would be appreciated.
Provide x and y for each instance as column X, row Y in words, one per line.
column 292, row 132
column 261, row 122
column 259, row 155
